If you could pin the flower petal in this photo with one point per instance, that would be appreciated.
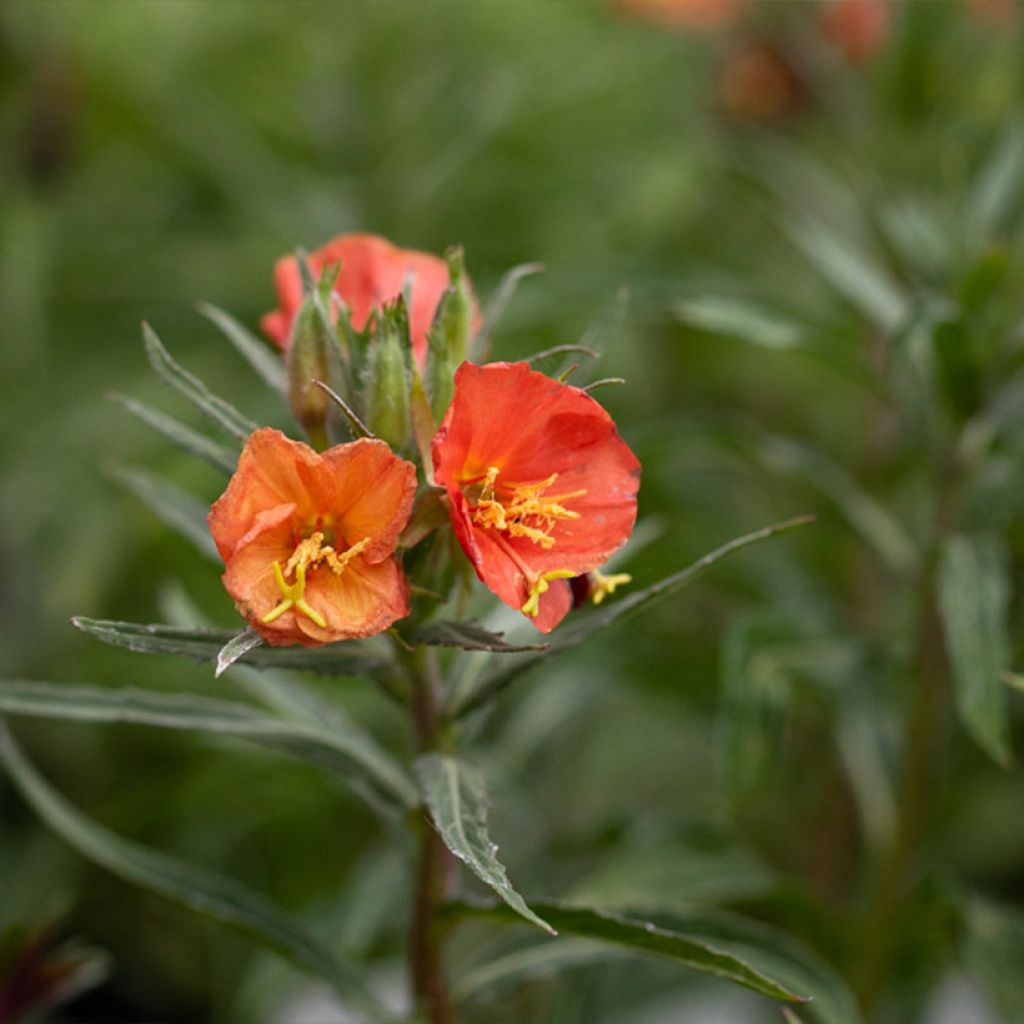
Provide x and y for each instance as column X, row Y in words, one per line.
column 372, row 494
column 365, row 599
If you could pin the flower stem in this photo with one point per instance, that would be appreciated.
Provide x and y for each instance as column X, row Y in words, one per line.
column 426, row 964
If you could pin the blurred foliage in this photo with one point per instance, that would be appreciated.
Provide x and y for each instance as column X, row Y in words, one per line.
column 824, row 316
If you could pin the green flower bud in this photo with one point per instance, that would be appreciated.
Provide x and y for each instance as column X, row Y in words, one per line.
column 387, row 380
column 449, row 337
column 307, row 362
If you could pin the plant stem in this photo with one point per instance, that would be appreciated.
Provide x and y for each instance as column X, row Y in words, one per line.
column 429, row 986
column 924, row 732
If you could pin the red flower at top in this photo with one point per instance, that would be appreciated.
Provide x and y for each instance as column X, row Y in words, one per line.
column 542, row 488
column 373, row 272
column 308, row 540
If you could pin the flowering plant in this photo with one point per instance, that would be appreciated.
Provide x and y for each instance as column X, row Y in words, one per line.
column 351, row 554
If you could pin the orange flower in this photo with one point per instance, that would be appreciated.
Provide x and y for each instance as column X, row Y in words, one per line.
column 857, row 28
column 692, row 15
column 308, row 540
column 542, row 488
column 373, row 272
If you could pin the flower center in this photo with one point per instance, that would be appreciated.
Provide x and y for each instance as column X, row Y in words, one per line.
column 309, row 552
column 522, row 510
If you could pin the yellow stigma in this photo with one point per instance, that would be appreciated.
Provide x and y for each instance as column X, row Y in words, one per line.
column 540, row 586
column 601, row 586
column 293, row 598
column 525, row 512
column 309, row 552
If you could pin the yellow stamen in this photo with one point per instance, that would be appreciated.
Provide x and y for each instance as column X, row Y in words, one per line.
column 309, row 552
column 601, row 586
column 526, row 512
column 294, row 597
column 541, row 586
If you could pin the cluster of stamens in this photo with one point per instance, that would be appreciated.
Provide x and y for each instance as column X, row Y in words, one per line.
column 310, row 552
column 526, row 512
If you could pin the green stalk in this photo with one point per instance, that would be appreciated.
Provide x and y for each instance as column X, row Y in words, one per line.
column 426, row 939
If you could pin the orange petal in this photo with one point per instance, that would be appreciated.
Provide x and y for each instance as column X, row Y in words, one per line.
column 268, row 475
column 372, row 494
column 364, row 600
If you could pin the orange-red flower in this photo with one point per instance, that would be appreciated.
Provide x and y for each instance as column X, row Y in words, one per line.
column 693, row 15
column 308, row 540
column 542, row 488
column 373, row 271
column 857, row 28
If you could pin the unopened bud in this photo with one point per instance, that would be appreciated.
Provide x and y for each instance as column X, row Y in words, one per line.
column 449, row 337
column 387, row 379
column 307, row 362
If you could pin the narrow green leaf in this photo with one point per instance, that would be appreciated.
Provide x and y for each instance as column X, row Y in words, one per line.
column 883, row 531
column 772, row 952
column 177, row 508
column 470, row 636
column 996, row 189
column 496, row 307
column 974, row 597
column 993, row 953
column 203, row 891
column 344, row 659
column 342, row 748
column 225, row 415
column 189, row 440
column 237, row 647
column 456, row 797
column 640, row 936
column 850, row 271
column 585, row 625
column 737, row 318
column 537, row 959
column 267, row 363
column 607, row 322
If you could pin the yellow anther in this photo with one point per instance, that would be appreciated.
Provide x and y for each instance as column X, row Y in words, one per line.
column 313, row 551
column 601, row 586
column 541, row 586
column 526, row 512
column 294, row 597
column 309, row 552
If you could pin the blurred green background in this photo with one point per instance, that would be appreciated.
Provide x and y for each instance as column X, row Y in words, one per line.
column 822, row 257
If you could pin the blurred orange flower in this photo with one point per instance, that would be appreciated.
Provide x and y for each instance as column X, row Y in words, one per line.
column 857, row 28
column 308, row 540
column 694, row 15
column 373, row 271
column 542, row 488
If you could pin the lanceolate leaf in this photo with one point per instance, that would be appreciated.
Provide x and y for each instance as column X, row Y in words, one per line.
column 470, row 636
column 200, row 890
column 268, row 364
column 642, row 937
column 736, row 318
column 347, row 659
column 457, row 800
column 177, row 508
column 577, row 630
column 853, row 273
column 506, row 289
column 237, row 647
column 340, row 746
column 225, row 415
column 974, row 596
column 184, row 437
